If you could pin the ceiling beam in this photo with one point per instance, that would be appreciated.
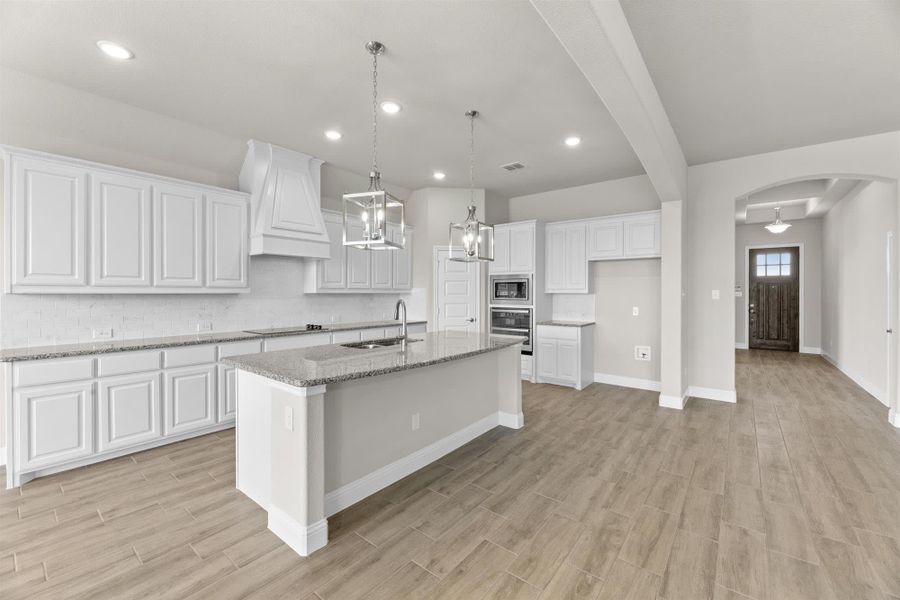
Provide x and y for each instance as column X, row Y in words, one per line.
column 596, row 35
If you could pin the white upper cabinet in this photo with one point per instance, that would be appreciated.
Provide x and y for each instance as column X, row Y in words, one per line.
column 359, row 262
column 76, row 227
column 331, row 273
column 383, row 266
column 121, row 226
column 178, row 236
column 605, row 239
column 227, row 257
column 642, row 235
column 47, row 223
column 285, row 193
column 566, row 255
column 402, row 269
column 514, row 248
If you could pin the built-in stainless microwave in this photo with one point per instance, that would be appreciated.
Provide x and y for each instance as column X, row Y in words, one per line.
column 510, row 289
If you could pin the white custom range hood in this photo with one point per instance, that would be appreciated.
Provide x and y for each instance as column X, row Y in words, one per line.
column 285, row 201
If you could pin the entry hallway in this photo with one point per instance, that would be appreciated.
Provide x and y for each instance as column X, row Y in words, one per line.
column 791, row 493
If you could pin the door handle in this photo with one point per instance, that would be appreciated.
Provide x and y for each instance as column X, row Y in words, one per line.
column 889, row 330
column 471, row 319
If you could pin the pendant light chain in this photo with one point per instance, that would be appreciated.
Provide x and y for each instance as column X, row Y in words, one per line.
column 375, row 111
column 472, row 157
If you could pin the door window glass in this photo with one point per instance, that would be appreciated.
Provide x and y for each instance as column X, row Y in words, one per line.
column 773, row 264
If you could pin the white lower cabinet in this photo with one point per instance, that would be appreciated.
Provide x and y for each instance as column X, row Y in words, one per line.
column 189, row 399
column 128, row 409
column 565, row 355
column 527, row 367
column 227, row 396
column 54, row 424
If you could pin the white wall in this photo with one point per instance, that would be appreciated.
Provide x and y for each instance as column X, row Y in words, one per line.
column 855, row 284
column 630, row 194
column 712, row 190
column 805, row 231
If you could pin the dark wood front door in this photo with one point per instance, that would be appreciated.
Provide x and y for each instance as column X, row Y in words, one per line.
column 775, row 299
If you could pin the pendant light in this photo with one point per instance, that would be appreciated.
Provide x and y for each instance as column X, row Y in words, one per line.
column 778, row 226
column 471, row 240
column 374, row 219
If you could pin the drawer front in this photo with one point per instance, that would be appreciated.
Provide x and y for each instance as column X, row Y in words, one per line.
column 41, row 372
column 238, row 348
column 127, row 362
column 129, row 410
column 558, row 333
column 297, row 341
column 54, row 424
column 191, row 355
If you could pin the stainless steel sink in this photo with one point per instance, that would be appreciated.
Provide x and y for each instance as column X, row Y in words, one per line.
column 382, row 343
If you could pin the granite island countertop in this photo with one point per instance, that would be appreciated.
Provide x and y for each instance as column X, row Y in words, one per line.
column 194, row 339
column 564, row 323
column 322, row 365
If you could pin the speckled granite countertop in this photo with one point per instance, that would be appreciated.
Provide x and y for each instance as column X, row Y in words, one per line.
column 321, row 365
column 107, row 346
column 566, row 323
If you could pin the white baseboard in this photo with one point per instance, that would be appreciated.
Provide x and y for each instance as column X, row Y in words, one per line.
column 629, row 382
column 874, row 390
column 676, row 402
column 302, row 540
column 740, row 345
column 510, row 420
column 712, row 394
column 348, row 495
column 894, row 417
column 810, row 350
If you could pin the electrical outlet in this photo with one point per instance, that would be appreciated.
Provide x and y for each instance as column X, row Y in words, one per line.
column 289, row 418
column 635, row 311
column 204, row 325
column 102, row 334
column 642, row 353
column 715, row 294
column 415, row 421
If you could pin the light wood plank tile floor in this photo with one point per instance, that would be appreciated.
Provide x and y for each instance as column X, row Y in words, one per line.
column 793, row 492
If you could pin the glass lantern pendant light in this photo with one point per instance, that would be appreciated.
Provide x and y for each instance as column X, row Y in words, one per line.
column 471, row 240
column 778, row 226
column 374, row 219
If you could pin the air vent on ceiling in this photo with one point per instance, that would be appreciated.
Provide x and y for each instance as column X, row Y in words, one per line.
column 513, row 166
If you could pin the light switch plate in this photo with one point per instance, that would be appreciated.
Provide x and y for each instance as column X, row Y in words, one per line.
column 289, row 418
column 102, row 333
column 415, row 421
column 635, row 311
column 715, row 294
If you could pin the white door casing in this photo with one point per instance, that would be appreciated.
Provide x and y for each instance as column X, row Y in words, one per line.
column 456, row 293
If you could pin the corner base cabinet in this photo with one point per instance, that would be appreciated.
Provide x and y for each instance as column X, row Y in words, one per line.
column 565, row 355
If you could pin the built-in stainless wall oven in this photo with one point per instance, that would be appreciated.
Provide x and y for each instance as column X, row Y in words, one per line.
column 513, row 321
column 510, row 289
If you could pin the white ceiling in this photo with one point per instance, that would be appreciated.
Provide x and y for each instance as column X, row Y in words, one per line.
column 806, row 199
column 285, row 71
column 752, row 76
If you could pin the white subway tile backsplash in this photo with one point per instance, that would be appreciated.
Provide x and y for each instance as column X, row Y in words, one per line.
column 276, row 300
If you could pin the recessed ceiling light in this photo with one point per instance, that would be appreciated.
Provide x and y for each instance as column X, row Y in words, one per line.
column 333, row 135
column 573, row 140
column 439, row 175
column 114, row 50
column 391, row 108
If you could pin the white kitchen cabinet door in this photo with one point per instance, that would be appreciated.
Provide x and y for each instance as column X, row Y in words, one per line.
column 129, row 410
column 54, row 424
column 48, row 223
column 382, row 265
column 359, row 262
column 189, row 399
column 332, row 272
column 547, row 358
column 227, row 395
column 554, row 281
column 402, row 267
column 177, row 236
column 521, row 248
column 576, row 258
column 567, row 361
column 121, row 219
column 605, row 239
column 227, row 239
column 642, row 236
column 501, row 264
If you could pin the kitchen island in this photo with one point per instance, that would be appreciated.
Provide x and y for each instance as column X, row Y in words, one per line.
column 320, row 428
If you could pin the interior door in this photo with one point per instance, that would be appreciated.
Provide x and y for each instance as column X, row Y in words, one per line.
column 456, row 292
column 775, row 299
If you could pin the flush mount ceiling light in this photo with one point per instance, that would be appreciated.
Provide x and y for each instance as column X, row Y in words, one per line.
column 367, row 214
column 391, row 108
column 114, row 50
column 778, row 226
column 471, row 240
column 572, row 141
column 439, row 175
column 333, row 135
